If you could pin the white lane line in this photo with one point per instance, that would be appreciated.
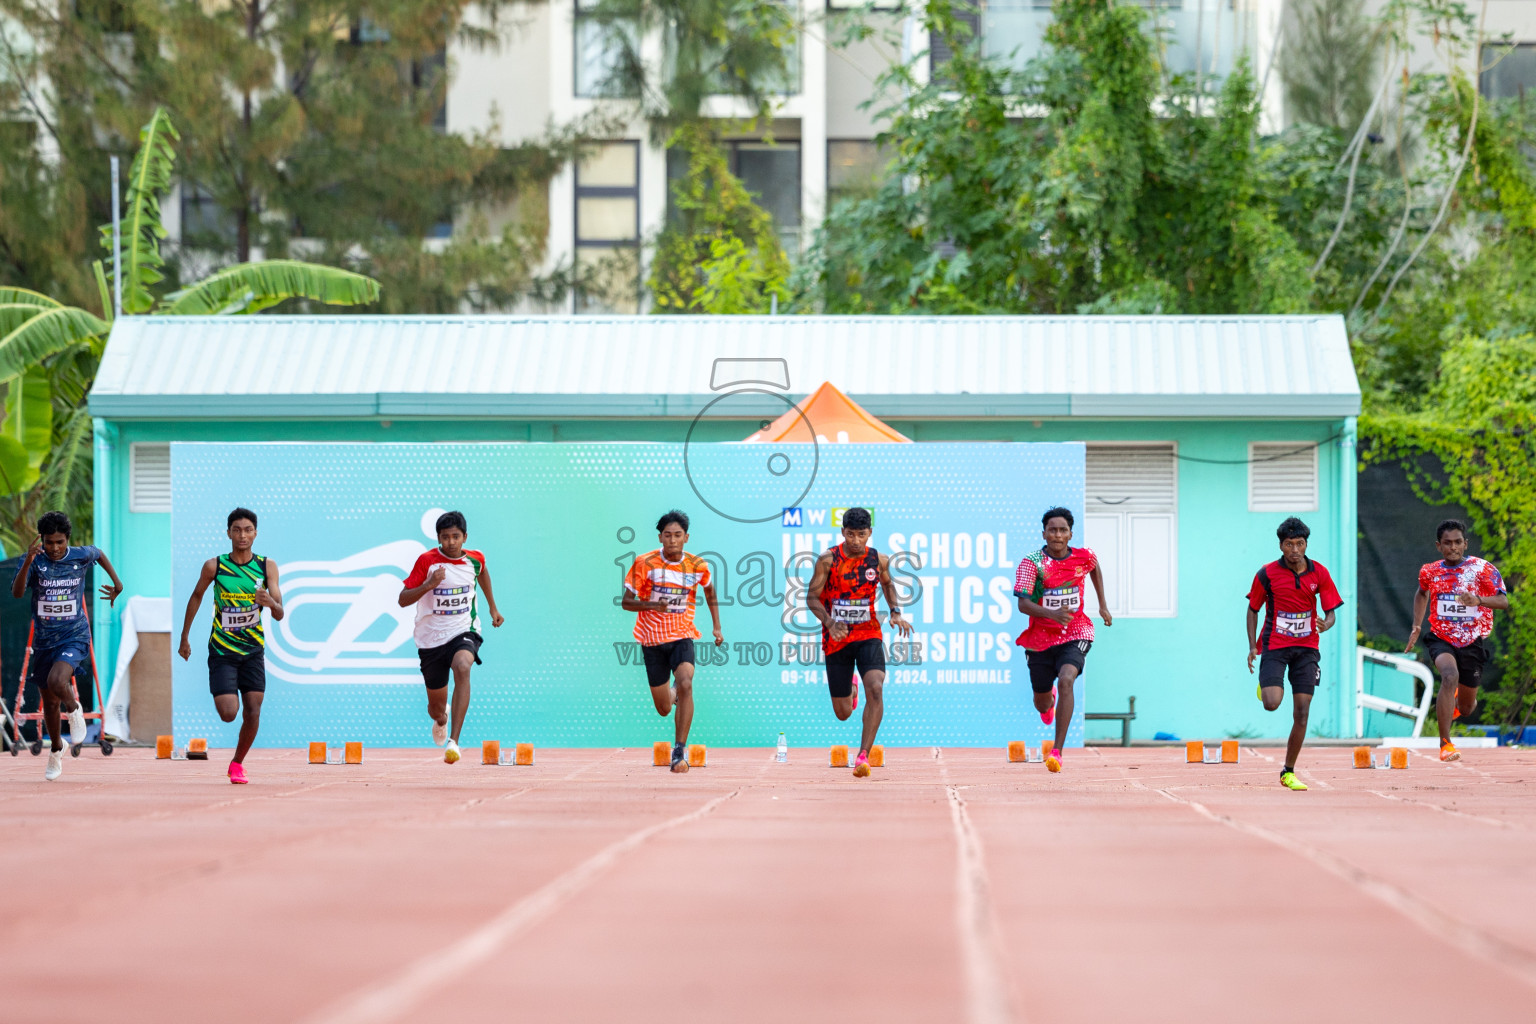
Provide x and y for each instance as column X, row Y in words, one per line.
column 1477, row 943
column 1442, row 809
column 986, row 987
column 394, row 998
column 987, row 996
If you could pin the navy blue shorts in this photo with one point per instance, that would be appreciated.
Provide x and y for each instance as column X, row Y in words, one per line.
column 44, row 658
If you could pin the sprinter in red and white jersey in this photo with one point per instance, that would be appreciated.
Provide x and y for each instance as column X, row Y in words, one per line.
column 1461, row 592
column 842, row 597
column 442, row 587
column 1049, row 586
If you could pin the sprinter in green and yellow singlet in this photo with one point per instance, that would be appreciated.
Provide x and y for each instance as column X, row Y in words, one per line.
column 245, row 584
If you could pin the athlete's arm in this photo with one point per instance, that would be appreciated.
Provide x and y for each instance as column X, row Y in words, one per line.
column 889, row 587
column 632, row 603
column 1030, row 608
column 1420, row 600
column 836, row 630
column 490, row 598
column 270, row 597
column 1098, row 588
column 19, row 584
column 210, row 568
column 714, row 613
column 109, row 591
column 410, row 595
column 1253, row 636
column 1327, row 623
column 1498, row 602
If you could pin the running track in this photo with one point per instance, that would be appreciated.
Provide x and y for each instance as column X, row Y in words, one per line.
column 951, row 887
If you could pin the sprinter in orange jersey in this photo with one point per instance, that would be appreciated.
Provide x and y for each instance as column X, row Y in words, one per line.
column 842, row 597
column 660, row 586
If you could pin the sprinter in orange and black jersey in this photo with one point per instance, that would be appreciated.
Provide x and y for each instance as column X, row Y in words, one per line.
column 842, row 597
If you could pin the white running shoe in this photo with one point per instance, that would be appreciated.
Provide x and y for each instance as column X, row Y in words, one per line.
column 439, row 733
column 77, row 725
column 55, row 764
column 452, row 753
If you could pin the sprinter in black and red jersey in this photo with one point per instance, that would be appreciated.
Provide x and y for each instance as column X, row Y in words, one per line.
column 1290, row 589
column 842, row 597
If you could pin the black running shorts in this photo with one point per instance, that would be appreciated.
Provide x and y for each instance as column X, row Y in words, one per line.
column 1469, row 659
column 237, row 673
column 1303, row 665
column 1045, row 666
column 437, row 662
column 867, row 655
column 661, row 660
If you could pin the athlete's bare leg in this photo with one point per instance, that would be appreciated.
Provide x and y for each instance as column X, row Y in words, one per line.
column 1301, row 708
column 228, row 705
column 463, row 661
column 1445, row 700
column 874, row 706
column 59, row 696
column 1066, row 703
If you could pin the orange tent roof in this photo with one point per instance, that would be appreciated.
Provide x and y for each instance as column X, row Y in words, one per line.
column 835, row 418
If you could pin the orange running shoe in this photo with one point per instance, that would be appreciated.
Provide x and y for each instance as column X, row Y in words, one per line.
column 1448, row 752
column 1455, row 713
column 861, row 765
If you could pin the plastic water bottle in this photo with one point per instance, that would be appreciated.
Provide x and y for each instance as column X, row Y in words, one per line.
column 782, row 755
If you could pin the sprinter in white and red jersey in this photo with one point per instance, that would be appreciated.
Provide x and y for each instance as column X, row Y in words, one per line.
column 442, row 587
column 1461, row 592
column 1049, row 586
column 659, row 586
column 842, row 597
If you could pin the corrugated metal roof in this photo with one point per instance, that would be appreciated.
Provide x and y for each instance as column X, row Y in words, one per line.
column 896, row 367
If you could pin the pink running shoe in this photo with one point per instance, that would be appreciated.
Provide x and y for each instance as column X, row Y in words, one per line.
column 237, row 773
column 1049, row 717
column 861, row 766
column 855, row 693
column 1053, row 760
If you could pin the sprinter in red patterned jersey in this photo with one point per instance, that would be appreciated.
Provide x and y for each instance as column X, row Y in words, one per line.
column 442, row 587
column 1461, row 591
column 1291, row 588
column 660, row 586
column 1049, row 586
column 842, row 597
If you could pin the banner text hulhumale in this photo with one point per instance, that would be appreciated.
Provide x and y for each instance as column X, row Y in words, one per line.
column 560, row 523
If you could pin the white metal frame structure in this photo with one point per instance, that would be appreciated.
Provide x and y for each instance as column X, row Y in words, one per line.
column 1364, row 701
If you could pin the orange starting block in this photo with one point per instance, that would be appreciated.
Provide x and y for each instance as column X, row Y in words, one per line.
column 1196, row 752
column 877, row 756
column 163, row 745
column 197, row 750
column 696, row 756
column 490, row 752
column 840, row 755
column 661, row 754
column 1384, row 757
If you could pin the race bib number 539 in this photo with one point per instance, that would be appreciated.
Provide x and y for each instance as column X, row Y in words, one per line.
column 65, row 609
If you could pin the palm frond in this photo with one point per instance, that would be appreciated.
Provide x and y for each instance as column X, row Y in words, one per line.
column 27, row 297
column 107, row 306
column 252, row 287
column 150, row 176
column 44, row 334
column 29, row 417
column 65, row 482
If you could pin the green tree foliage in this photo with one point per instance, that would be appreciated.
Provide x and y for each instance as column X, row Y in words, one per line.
column 332, row 143
column 49, row 351
column 720, row 254
column 1109, row 200
column 1480, row 426
column 1329, row 62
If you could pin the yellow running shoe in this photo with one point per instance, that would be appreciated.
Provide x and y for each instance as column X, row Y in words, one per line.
column 861, row 766
column 1290, row 781
column 1053, row 761
column 1448, row 752
column 451, row 755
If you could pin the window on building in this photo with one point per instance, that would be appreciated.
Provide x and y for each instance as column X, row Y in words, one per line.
column 204, row 223
column 1282, row 476
column 599, row 55
column 1510, row 70
column 941, row 48
column 1130, row 520
column 854, row 167
column 149, row 478
column 768, row 170
column 608, row 229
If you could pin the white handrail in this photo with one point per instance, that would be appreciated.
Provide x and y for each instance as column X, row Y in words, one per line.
column 1364, row 700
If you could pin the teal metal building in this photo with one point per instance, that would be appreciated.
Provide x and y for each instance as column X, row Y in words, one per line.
column 1202, row 434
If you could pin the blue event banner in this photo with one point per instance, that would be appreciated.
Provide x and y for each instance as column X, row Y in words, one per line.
column 559, row 524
